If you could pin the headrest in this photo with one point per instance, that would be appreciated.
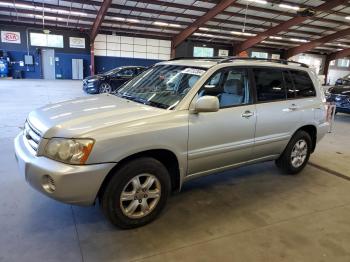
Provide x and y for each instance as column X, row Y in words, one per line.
column 233, row 86
column 192, row 80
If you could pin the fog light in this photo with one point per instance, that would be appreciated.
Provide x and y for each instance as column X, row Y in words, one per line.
column 48, row 184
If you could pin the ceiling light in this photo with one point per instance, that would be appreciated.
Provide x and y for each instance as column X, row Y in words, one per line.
column 298, row 40
column 348, row 17
column 258, row 1
column 118, row 18
column 165, row 24
column 132, row 20
column 6, row 4
column 25, row 6
column 289, row 6
column 242, row 33
column 205, row 35
column 204, row 28
column 276, row 37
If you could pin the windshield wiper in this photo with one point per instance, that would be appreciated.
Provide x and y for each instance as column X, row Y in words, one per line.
column 142, row 101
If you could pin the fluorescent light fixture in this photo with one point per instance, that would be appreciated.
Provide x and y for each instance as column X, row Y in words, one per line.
column 347, row 17
column 298, row 40
column 130, row 20
column 165, row 24
column 242, row 33
column 258, row 1
column 6, row 4
column 25, row 6
column 289, row 6
column 48, row 17
column 203, row 29
column 205, row 35
column 118, row 18
column 276, row 37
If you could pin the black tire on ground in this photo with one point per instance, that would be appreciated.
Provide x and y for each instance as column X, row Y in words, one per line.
column 110, row 199
column 284, row 162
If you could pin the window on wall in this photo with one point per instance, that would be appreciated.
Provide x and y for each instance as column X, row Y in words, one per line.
column 343, row 62
column 259, row 55
column 199, row 51
column 48, row 40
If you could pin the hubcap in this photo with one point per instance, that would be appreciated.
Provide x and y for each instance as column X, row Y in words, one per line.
column 140, row 196
column 299, row 153
column 105, row 88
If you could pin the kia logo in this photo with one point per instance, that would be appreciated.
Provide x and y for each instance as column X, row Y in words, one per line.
column 11, row 37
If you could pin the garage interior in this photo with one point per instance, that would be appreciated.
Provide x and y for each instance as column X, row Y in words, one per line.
column 248, row 214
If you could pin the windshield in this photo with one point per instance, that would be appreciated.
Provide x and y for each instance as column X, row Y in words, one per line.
column 111, row 72
column 162, row 86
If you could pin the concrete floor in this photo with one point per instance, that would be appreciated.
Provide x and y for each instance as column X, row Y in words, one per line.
column 248, row 214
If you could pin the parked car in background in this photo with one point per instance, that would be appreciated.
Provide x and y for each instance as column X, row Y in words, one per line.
column 110, row 80
column 340, row 95
column 344, row 81
column 177, row 121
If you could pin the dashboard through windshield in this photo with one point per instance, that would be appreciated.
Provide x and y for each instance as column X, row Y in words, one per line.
column 162, row 86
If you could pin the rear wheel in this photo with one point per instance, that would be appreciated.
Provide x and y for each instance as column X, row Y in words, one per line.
column 137, row 193
column 297, row 153
column 105, row 88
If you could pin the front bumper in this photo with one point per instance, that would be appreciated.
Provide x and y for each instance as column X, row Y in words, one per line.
column 90, row 88
column 75, row 184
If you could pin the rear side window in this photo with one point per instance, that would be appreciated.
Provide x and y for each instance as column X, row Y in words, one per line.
column 303, row 84
column 269, row 84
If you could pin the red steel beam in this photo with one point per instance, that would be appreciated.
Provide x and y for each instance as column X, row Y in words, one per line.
column 99, row 18
column 178, row 39
column 285, row 26
column 318, row 42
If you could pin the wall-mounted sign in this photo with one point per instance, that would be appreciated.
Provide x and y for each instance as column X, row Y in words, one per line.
column 275, row 56
column 76, row 42
column 223, row 52
column 10, row 37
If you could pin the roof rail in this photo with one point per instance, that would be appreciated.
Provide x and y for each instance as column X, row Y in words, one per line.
column 281, row 61
column 200, row 58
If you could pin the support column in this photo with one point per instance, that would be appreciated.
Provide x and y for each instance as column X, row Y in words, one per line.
column 92, row 60
column 326, row 69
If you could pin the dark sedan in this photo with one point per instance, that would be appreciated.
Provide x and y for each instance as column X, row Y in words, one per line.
column 110, row 80
column 344, row 81
column 340, row 95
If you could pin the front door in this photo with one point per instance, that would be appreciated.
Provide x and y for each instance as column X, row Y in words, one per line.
column 219, row 140
column 48, row 63
column 121, row 77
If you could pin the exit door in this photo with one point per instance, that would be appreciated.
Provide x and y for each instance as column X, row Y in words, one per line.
column 48, row 63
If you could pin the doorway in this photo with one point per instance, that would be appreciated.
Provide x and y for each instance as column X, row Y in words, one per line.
column 48, row 63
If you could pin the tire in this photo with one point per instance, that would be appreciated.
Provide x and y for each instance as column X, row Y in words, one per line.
column 119, row 212
column 105, row 88
column 293, row 164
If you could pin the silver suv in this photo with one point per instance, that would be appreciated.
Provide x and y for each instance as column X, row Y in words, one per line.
column 178, row 120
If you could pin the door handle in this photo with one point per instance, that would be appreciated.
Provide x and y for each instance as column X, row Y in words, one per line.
column 247, row 114
column 293, row 107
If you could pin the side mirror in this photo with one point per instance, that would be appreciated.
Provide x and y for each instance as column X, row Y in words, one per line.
column 206, row 104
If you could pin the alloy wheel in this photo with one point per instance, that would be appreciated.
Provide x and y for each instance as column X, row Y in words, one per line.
column 299, row 153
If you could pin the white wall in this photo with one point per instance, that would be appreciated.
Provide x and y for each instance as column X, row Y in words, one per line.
column 132, row 47
column 334, row 74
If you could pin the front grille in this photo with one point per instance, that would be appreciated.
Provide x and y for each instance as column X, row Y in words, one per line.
column 32, row 136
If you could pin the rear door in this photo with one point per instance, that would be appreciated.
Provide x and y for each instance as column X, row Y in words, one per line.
column 278, row 113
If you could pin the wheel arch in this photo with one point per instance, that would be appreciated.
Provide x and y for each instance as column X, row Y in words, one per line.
column 312, row 131
column 165, row 156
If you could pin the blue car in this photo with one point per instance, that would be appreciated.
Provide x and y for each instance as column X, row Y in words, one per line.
column 340, row 95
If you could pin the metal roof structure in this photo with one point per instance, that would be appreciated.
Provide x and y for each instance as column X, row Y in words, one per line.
column 242, row 23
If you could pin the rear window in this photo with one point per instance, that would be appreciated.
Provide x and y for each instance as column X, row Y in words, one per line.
column 303, row 84
column 269, row 84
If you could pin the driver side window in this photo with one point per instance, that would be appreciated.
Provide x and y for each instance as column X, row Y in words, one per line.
column 230, row 86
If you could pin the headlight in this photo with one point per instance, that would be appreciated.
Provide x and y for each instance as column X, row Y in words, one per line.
column 71, row 151
column 92, row 80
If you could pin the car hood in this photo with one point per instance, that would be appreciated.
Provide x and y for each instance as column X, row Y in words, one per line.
column 98, row 77
column 74, row 118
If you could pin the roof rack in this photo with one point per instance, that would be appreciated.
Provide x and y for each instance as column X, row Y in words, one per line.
column 281, row 61
column 232, row 58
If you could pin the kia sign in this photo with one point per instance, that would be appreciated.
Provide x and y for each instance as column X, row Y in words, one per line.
column 10, row 37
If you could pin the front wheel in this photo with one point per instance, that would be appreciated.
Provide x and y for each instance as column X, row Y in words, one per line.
column 297, row 153
column 105, row 88
column 137, row 193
